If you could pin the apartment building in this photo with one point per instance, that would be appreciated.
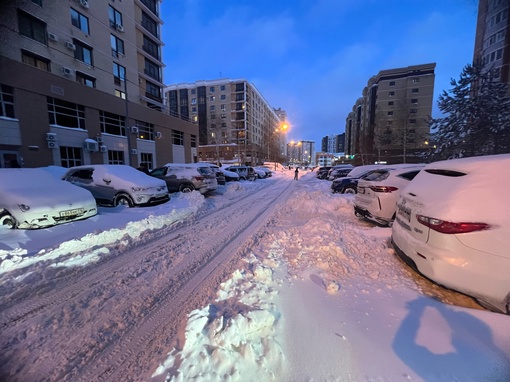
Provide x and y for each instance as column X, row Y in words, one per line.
column 82, row 82
column 492, row 40
column 389, row 123
column 334, row 143
column 301, row 153
column 235, row 123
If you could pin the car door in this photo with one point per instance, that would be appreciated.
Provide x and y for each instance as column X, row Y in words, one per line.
column 172, row 183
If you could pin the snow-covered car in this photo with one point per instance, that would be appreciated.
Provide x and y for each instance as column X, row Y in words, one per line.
column 114, row 184
column 453, row 226
column 32, row 198
column 339, row 173
column 322, row 172
column 349, row 183
column 338, row 166
column 187, row 177
column 230, row 176
column 220, row 177
column 244, row 172
column 261, row 174
column 377, row 193
column 268, row 172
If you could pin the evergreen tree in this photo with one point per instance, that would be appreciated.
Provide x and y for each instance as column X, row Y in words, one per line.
column 477, row 120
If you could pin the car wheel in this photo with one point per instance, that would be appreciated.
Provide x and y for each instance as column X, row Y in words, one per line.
column 8, row 221
column 349, row 190
column 186, row 188
column 123, row 200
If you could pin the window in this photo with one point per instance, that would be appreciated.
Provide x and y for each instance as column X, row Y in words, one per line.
column 193, row 101
column 414, row 101
column 193, row 141
column 151, row 4
column 68, row 114
column 415, row 90
column 83, row 52
column 212, row 108
column 212, row 98
column 240, row 87
column 70, row 156
column 194, row 109
column 31, row 27
column 80, row 21
column 223, row 124
column 223, row 116
column 178, row 138
column 499, row 54
column 6, row 101
column 392, row 83
column 38, row 2
column 145, row 130
column 34, row 60
column 120, row 94
column 112, row 123
column 240, row 97
column 222, row 88
column 85, row 79
column 223, row 97
column 416, row 80
column 152, row 70
column 391, row 103
column 119, row 73
column 414, row 111
column 149, row 24
column 115, row 157
column 389, row 123
column 390, row 113
column 412, row 120
column 152, row 90
column 151, row 47
column 115, row 17
column 213, row 115
column 117, row 46
column 147, row 159
column 212, row 89
column 193, row 91
column 223, row 107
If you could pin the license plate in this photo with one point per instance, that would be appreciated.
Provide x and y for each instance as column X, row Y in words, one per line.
column 77, row 211
column 405, row 213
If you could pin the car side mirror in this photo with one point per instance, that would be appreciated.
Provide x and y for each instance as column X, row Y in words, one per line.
column 107, row 181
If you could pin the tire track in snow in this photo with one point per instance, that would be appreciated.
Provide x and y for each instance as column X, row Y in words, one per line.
column 114, row 345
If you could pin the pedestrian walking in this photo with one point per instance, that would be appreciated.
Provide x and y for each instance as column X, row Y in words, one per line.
column 296, row 173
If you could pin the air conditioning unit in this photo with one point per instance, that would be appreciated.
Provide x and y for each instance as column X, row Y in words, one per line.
column 91, row 146
column 51, row 137
column 134, row 129
column 52, row 37
column 159, row 135
column 70, row 45
column 103, row 148
column 119, row 27
column 99, row 139
column 67, row 71
column 134, row 151
column 84, row 4
column 52, row 145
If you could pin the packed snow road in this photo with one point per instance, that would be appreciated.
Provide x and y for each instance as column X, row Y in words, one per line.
column 113, row 319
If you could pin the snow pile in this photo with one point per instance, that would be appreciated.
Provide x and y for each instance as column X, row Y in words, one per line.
column 237, row 335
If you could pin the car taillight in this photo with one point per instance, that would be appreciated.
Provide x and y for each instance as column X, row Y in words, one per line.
column 446, row 227
column 199, row 177
column 383, row 188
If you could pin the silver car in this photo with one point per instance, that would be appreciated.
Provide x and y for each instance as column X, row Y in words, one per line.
column 187, row 177
column 114, row 185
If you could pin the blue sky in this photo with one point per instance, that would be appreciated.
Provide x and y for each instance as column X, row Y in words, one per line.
column 312, row 58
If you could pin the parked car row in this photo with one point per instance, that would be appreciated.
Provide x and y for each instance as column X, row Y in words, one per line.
column 35, row 198
column 450, row 222
column 349, row 183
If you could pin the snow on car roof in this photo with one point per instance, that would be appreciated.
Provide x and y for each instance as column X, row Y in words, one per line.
column 477, row 196
column 126, row 173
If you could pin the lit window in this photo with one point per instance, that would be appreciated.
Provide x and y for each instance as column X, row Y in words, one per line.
column 34, row 60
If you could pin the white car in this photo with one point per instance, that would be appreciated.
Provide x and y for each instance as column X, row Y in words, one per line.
column 453, row 226
column 261, row 174
column 32, row 198
column 377, row 192
column 115, row 184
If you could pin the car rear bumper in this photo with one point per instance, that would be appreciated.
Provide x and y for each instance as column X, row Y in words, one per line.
column 474, row 273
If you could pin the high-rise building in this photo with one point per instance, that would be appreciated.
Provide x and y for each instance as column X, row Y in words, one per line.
column 301, row 153
column 235, row 122
column 81, row 82
column 389, row 123
column 334, row 143
column 492, row 41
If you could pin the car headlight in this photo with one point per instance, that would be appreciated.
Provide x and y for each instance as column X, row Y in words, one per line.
column 23, row 207
column 139, row 189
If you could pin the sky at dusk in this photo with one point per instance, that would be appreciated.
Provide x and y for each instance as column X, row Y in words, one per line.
column 312, row 58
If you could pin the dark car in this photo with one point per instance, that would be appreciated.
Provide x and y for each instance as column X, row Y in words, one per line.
column 339, row 173
column 349, row 183
column 322, row 172
column 244, row 172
